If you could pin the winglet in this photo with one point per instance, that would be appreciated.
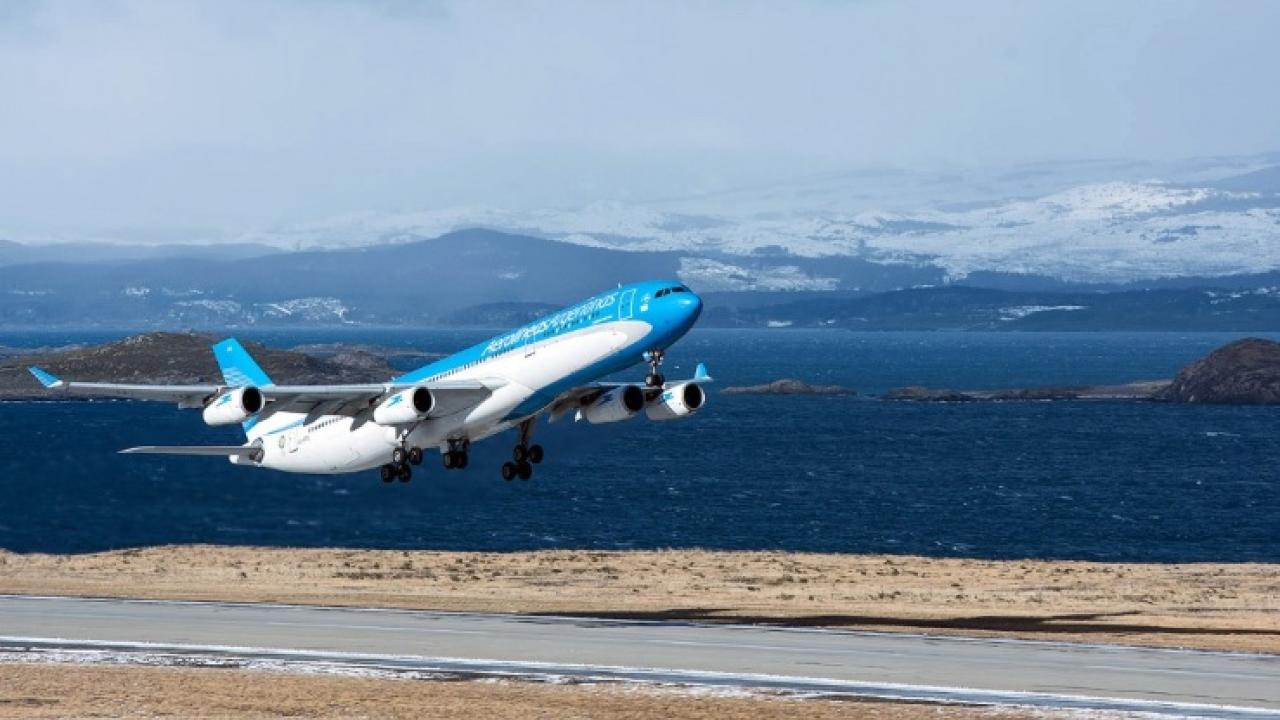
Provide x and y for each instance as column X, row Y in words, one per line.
column 46, row 378
column 700, row 374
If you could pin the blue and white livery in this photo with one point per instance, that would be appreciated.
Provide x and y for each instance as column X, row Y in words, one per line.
column 550, row 367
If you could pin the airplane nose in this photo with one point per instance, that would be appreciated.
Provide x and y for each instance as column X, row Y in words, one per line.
column 691, row 305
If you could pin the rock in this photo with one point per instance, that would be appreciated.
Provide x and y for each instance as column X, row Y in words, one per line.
column 917, row 392
column 788, row 386
column 1245, row 372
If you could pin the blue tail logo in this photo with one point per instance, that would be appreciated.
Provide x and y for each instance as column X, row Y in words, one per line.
column 238, row 367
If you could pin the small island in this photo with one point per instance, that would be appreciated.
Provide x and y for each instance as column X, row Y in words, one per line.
column 1129, row 391
column 788, row 386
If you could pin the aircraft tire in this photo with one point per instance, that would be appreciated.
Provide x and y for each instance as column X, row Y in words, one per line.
column 524, row 470
column 519, row 454
column 535, row 454
column 387, row 473
column 464, row 460
column 415, row 455
column 655, row 381
column 404, row 473
column 450, row 460
column 509, row 471
column 399, row 456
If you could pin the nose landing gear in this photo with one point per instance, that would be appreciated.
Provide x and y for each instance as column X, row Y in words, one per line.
column 655, row 378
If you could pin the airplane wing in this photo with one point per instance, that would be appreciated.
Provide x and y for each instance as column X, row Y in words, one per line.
column 249, row 451
column 585, row 394
column 298, row 398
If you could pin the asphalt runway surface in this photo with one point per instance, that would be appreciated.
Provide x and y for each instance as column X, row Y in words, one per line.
column 805, row 661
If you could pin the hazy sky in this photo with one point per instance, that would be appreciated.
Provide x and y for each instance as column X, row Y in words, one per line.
column 158, row 117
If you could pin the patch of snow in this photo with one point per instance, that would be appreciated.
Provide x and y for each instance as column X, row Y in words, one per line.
column 1021, row 311
column 713, row 275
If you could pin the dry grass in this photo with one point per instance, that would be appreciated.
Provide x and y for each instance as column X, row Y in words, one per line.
column 1216, row 606
column 61, row 691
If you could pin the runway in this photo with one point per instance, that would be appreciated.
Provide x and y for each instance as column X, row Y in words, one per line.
column 1205, row 684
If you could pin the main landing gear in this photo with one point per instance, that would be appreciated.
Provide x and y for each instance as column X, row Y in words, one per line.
column 399, row 467
column 655, row 378
column 457, row 456
column 524, row 456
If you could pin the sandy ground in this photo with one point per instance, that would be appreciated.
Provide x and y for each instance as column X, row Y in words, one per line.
column 62, row 691
column 1214, row 606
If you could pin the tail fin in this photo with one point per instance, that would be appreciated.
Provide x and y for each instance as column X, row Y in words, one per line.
column 238, row 366
column 239, row 369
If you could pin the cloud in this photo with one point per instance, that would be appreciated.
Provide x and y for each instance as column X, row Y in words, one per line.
column 213, row 116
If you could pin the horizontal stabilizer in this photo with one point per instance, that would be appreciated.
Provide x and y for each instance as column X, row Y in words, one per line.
column 46, row 378
column 249, row 451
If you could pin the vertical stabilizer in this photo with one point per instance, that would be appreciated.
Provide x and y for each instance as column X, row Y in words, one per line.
column 239, row 369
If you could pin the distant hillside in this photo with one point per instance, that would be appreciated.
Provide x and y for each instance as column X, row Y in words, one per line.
column 182, row 358
column 969, row 308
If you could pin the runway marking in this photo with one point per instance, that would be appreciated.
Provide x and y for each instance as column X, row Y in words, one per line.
column 799, row 685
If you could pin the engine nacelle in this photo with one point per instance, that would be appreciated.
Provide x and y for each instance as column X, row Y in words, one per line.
column 620, row 403
column 405, row 407
column 676, row 401
column 234, row 406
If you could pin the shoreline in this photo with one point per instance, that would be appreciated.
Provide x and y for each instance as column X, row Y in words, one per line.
column 1208, row 606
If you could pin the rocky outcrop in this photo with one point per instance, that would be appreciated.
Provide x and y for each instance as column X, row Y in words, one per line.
column 788, row 386
column 181, row 358
column 919, row 392
column 1245, row 372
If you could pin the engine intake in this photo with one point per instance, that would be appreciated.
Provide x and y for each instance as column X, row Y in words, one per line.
column 234, row 406
column 620, row 403
column 406, row 406
column 676, row 401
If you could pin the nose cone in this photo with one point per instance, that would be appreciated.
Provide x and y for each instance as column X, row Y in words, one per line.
column 689, row 308
column 691, row 305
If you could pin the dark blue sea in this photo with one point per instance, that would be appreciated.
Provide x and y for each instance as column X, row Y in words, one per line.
column 1088, row 480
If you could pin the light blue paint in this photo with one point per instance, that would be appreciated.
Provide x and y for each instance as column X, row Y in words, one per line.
column 45, row 377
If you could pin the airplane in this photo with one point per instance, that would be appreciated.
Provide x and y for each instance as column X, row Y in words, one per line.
column 550, row 367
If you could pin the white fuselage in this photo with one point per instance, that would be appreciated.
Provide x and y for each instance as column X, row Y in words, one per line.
column 296, row 442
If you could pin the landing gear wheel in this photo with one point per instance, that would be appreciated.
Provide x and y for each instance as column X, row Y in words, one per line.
column 450, row 460
column 524, row 470
column 535, row 454
column 404, row 473
column 415, row 455
column 399, row 456
column 655, row 381
column 387, row 473
column 464, row 459
column 509, row 471
column 520, row 454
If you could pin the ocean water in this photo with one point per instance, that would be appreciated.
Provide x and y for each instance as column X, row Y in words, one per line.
column 1085, row 480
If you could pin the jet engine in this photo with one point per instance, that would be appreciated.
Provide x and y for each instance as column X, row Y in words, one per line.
column 676, row 401
column 234, row 406
column 619, row 403
column 405, row 407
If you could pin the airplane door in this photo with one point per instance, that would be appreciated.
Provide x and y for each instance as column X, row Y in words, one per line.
column 625, row 304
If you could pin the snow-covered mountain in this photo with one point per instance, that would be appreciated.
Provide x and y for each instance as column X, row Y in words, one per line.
column 1101, row 222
